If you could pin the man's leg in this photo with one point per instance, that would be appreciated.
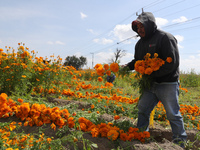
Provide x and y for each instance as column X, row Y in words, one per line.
column 146, row 104
column 168, row 95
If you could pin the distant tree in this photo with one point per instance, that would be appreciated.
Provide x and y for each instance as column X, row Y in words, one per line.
column 76, row 62
column 117, row 55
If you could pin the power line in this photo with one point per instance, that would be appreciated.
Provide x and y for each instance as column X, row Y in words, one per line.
column 182, row 22
column 169, row 6
column 182, row 10
column 153, row 4
column 188, row 27
column 135, row 36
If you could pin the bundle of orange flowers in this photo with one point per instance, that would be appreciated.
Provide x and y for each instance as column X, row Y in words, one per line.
column 102, row 69
column 148, row 65
column 144, row 69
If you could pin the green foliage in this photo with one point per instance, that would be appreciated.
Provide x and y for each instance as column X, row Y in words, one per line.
column 142, row 82
column 125, row 125
column 75, row 61
column 190, row 79
column 189, row 145
column 124, row 71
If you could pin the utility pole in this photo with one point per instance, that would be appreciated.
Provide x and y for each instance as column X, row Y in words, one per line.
column 92, row 59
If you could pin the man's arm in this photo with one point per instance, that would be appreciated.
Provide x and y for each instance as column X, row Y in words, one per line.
column 169, row 49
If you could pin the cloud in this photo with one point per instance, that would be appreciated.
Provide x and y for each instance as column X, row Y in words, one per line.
column 179, row 20
column 101, row 57
column 91, row 31
column 59, row 43
column 123, row 32
column 179, row 39
column 50, row 43
column 103, row 41
column 127, row 58
column 190, row 63
column 105, row 55
column 83, row 16
column 161, row 22
column 56, row 42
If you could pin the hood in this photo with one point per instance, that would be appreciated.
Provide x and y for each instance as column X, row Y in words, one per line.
column 149, row 23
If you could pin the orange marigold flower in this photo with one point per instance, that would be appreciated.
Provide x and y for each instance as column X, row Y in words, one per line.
column 95, row 132
column 112, row 135
column 88, row 123
column 83, row 126
column 21, row 47
column 146, row 134
column 100, row 71
column 123, row 136
column 141, row 69
column 139, row 63
column 110, row 123
column 106, row 66
column 70, row 119
column 1, row 49
column 116, row 117
column 114, row 67
column 108, row 72
column 147, row 55
column 75, row 139
column 131, row 130
column 148, row 71
column 108, row 84
column 104, row 131
column 53, row 126
column 82, row 120
column 155, row 55
column 26, row 123
column 23, row 76
column 71, row 124
column 169, row 59
column 92, row 106
column 49, row 140
column 20, row 100
column 97, row 66
column 100, row 79
column 3, row 98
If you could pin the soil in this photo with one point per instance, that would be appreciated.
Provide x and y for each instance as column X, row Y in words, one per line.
column 161, row 137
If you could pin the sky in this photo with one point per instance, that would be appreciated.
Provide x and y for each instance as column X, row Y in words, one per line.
column 95, row 29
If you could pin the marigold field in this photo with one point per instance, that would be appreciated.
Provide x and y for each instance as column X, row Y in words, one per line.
column 45, row 105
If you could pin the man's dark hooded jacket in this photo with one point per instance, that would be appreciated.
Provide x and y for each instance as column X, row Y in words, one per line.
column 160, row 42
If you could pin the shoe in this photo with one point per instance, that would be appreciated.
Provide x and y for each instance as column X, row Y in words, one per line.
column 179, row 142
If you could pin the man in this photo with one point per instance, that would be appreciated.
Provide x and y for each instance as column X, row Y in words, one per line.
column 165, row 85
